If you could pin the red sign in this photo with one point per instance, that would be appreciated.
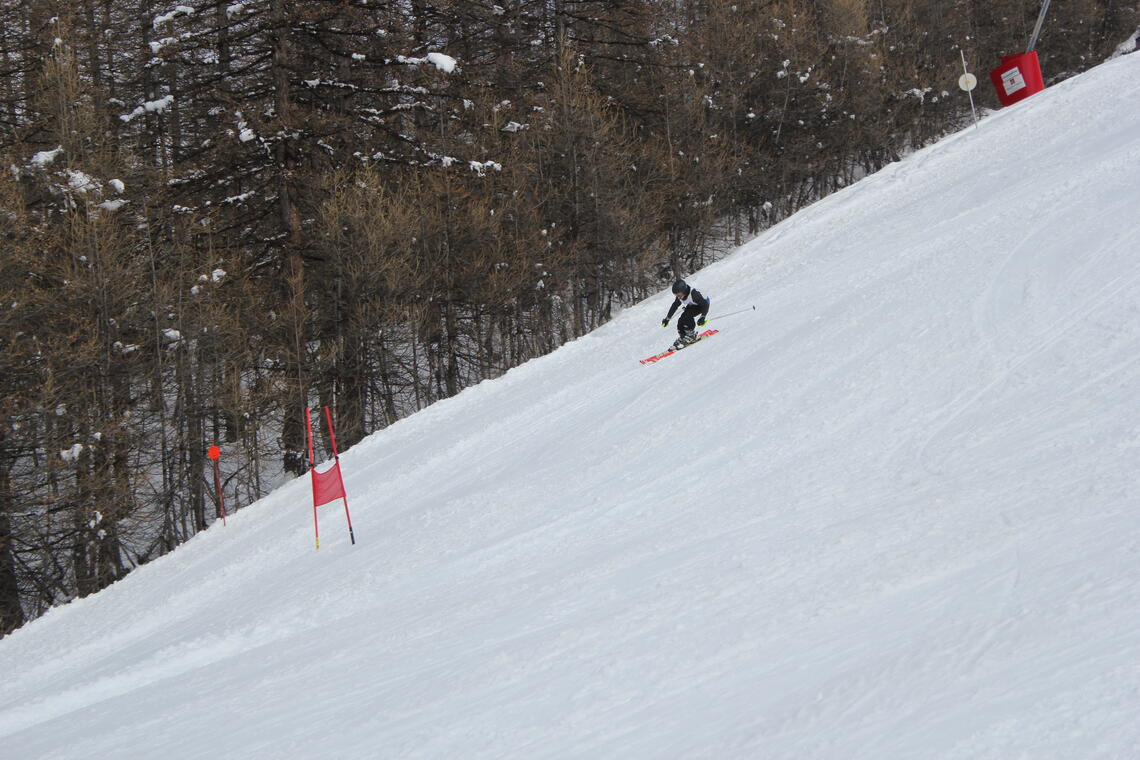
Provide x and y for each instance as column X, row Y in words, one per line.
column 213, row 453
column 1018, row 77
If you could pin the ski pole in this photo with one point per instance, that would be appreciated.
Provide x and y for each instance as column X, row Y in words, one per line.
column 732, row 313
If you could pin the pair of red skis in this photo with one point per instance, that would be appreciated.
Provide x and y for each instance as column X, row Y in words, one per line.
column 671, row 351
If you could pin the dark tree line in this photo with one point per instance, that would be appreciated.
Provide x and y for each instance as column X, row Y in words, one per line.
column 216, row 213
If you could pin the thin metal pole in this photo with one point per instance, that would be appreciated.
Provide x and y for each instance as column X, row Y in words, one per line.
column 969, row 91
column 1037, row 29
column 731, row 313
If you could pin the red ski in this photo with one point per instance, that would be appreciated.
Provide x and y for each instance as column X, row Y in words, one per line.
column 671, row 351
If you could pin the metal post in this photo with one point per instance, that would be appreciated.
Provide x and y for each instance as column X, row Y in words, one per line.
column 1037, row 29
column 967, row 82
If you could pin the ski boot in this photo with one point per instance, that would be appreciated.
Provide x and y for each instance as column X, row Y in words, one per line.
column 684, row 339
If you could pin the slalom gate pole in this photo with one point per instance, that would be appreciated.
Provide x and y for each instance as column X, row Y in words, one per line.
column 218, row 489
column 336, row 456
column 313, row 475
column 351, row 535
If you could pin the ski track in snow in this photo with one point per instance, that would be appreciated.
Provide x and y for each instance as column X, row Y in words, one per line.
column 891, row 513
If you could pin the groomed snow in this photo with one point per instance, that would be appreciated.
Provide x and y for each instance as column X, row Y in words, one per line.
column 890, row 514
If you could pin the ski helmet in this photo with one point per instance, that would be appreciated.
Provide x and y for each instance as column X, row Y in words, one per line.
column 680, row 288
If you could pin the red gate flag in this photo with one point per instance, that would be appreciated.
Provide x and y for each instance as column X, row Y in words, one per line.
column 328, row 485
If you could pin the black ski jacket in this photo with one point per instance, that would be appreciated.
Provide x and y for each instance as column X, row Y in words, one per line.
column 692, row 299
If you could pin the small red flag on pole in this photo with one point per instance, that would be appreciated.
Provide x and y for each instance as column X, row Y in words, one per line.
column 214, row 453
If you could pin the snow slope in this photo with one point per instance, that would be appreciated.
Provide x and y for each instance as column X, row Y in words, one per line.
column 891, row 513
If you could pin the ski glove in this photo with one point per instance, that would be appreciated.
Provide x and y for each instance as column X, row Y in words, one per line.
column 701, row 322
column 665, row 322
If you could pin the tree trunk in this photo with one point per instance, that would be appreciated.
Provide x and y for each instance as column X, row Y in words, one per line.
column 11, row 612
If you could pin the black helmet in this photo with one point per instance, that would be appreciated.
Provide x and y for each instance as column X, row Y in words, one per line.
column 679, row 287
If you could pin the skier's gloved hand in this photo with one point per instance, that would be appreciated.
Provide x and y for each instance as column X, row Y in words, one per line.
column 701, row 322
column 665, row 322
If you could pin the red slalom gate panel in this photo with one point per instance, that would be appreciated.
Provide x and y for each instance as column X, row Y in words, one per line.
column 328, row 485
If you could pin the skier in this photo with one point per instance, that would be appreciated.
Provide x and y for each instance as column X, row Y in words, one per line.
column 694, row 304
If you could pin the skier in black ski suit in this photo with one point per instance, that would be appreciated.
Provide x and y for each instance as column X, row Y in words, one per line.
column 694, row 304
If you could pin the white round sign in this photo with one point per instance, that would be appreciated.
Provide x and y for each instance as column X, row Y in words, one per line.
column 967, row 82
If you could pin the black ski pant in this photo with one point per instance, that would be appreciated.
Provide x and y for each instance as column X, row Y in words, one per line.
column 688, row 320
